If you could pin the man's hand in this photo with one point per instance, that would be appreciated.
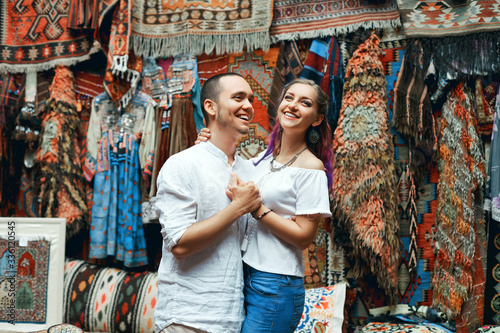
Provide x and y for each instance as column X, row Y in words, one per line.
column 246, row 196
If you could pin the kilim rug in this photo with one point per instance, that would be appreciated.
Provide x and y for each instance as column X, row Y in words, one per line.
column 299, row 19
column 31, row 270
column 314, row 259
column 34, row 36
column 258, row 70
column 423, row 18
column 165, row 28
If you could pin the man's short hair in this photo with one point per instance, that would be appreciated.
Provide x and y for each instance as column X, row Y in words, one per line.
column 211, row 90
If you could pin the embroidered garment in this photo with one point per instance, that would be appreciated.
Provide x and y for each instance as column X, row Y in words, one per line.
column 34, row 37
column 60, row 182
column 120, row 152
column 459, row 215
column 163, row 28
column 300, row 19
column 364, row 197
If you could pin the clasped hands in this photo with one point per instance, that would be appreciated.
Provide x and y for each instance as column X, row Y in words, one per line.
column 245, row 195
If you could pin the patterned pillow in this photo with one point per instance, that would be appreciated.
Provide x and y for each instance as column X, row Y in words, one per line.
column 99, row 299
column 323, row 310
column 400, row 328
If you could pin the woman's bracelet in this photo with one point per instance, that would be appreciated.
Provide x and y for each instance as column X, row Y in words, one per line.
column 264, row 214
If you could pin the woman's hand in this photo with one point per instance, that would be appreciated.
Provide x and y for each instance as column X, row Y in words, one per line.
column 203, row 135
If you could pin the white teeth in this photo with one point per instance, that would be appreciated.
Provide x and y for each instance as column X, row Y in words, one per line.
column 288, row 114
column 244, row 117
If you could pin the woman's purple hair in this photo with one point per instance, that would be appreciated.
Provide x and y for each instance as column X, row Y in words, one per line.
column 322, row 149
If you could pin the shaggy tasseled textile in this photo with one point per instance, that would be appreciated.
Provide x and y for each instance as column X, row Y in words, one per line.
column 459, row 215
column 365, row 200
column 60, row 183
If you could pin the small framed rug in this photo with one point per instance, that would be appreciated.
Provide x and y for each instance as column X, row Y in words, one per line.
column 31, row 273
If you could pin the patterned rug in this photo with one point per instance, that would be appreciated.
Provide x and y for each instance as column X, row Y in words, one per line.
column 258, row 70
column 413, row 289
column 31, row 279
column 364, row 189
column 34, row 36
column 299, row 19
column 448, row 18
column 165, row 28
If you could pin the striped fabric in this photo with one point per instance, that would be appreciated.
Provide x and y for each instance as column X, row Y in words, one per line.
column 100, row 299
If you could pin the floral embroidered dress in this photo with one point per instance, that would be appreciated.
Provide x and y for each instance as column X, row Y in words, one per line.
column 120, row 151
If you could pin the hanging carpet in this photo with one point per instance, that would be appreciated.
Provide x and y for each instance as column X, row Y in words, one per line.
column 165, row 28
column 364, row 189
column 298, row 19
column 34, row 37
column 467, row 31
column 458, row 277
column 258, row 70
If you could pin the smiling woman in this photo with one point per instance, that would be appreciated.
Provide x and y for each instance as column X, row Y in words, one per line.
column 294, row 177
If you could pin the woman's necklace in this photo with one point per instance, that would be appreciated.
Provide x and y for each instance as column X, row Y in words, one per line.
column 274, row 169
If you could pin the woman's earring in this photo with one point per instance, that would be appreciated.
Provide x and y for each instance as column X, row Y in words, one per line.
column 313, row 136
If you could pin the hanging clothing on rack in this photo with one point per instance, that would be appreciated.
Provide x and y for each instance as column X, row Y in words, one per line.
column 120, row 153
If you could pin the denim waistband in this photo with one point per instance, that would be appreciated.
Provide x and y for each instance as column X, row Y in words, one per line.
column 249, row 270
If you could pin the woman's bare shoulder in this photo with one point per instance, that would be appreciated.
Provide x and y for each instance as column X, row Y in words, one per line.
column 308, row 160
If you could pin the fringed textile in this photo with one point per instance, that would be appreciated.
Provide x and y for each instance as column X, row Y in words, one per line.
column 412, row 110
column 163, row 28
column 35, row 38
column 299, row 19
column 60, row 183
column 288, row 67
column 462, row 35
column 422, row 18
column 124, row 68
column 459, row 212
column 364, row 201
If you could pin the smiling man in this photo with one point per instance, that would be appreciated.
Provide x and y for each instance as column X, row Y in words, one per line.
column 200, row 278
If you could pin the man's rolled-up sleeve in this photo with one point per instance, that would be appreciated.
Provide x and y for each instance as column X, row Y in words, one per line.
column 175, row 200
